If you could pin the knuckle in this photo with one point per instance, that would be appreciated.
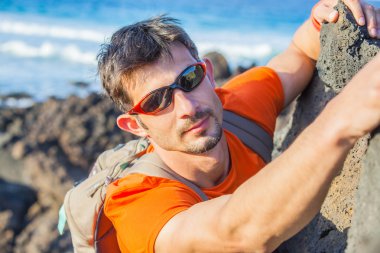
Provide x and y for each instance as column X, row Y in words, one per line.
column 369, row 7
column 371, row 23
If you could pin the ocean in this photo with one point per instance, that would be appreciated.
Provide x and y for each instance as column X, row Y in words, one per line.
column 47, row 46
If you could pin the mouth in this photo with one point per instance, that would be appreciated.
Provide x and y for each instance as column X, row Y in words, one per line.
column 200, row 126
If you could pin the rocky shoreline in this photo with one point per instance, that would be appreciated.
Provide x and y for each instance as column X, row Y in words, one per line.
column 46, row 147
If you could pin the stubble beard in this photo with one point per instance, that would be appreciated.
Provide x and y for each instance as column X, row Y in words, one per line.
column 205, row 141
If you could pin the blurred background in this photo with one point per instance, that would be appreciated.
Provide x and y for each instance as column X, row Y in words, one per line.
column 48, row 48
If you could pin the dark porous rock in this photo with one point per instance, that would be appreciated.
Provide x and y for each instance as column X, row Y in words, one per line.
column 48, row 147
column 15, row 200
column 74, row 127
column 352, row 50
column 345, row 48
column 241, row 69
column 365, row 231
column 221, row 69
column 80, row 84
column 41, row 235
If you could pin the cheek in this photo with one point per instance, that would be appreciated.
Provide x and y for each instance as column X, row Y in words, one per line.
column 218, row 107
column 160, row 125
column 210, row 98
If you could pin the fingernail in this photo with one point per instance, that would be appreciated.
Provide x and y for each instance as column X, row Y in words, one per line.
column 332, row 15
column 362, row 21
column 373, row 32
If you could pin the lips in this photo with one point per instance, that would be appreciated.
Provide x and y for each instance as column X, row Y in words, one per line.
column 200, row 126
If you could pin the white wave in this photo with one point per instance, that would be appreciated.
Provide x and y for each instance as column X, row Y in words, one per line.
column 35, row 29
column 18, row 103
column 243, row 47
column 68, row 52
column 240, row 51
column 243, row 55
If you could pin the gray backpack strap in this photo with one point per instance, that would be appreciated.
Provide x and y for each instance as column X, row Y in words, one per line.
column 250, row 133
column 152, row 165
column 148, row 164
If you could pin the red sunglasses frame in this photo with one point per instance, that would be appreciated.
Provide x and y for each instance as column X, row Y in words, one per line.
column 137, row 108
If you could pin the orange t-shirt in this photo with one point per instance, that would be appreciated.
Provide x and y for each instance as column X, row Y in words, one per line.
column 139, row 205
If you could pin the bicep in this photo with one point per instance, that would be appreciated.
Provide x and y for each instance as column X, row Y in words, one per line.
column 294, row 69
column 295, row 66
column 197, row 229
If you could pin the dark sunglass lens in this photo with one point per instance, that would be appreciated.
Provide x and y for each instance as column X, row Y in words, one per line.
column 157, row 100
column 191, row 77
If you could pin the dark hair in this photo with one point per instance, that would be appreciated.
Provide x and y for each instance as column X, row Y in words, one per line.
column 133, row 47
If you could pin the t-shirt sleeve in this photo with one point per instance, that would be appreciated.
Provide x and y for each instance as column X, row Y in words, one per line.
column 257, row 94
column 139, row 206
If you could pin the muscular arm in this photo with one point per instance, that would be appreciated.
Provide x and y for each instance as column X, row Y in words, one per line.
column 295, row 66
column 281, row 199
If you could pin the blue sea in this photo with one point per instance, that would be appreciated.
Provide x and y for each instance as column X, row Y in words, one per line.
column 47, row 45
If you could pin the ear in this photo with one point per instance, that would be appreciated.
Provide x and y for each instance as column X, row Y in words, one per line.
column 210, row 71
column 130, row 124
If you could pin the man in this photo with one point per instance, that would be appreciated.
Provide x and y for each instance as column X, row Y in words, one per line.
column 154, row 74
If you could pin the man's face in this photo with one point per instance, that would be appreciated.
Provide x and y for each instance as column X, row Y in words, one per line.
column 192, row 123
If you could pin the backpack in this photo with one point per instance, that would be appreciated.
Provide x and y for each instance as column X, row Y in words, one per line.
column 91, row 230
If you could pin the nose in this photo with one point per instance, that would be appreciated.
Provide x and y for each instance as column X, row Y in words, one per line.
column 184, row 104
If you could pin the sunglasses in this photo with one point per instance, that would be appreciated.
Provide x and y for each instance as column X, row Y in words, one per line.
column 159, row 99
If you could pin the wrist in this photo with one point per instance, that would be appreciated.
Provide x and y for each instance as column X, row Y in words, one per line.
column 334, row 125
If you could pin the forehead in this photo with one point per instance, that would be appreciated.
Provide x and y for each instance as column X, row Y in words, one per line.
column 161, row 73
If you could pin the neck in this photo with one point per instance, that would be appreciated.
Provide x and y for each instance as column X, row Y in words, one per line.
column 205, row 170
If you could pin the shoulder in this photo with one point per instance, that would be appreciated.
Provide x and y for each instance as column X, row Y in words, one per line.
column 256, row 94
column 145, row 204
column 138, row 186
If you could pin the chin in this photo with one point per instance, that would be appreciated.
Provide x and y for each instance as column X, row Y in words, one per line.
column 205, row 144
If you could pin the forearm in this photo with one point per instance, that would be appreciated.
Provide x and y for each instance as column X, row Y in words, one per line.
column 296, row 65
column 306, row 39
column 281, row 199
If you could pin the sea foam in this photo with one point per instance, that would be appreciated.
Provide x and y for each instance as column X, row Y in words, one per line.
column 43, row 30
column 68, row 52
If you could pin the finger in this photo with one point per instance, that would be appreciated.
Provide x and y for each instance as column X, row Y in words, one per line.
column 333, row 16
column 370, row 14
column 324, row 12
column 356, row 8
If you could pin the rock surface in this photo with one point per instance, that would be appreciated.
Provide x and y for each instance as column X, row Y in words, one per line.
column 346, row 47
column 221, row 69
column 365, row 231
column 44, row 150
